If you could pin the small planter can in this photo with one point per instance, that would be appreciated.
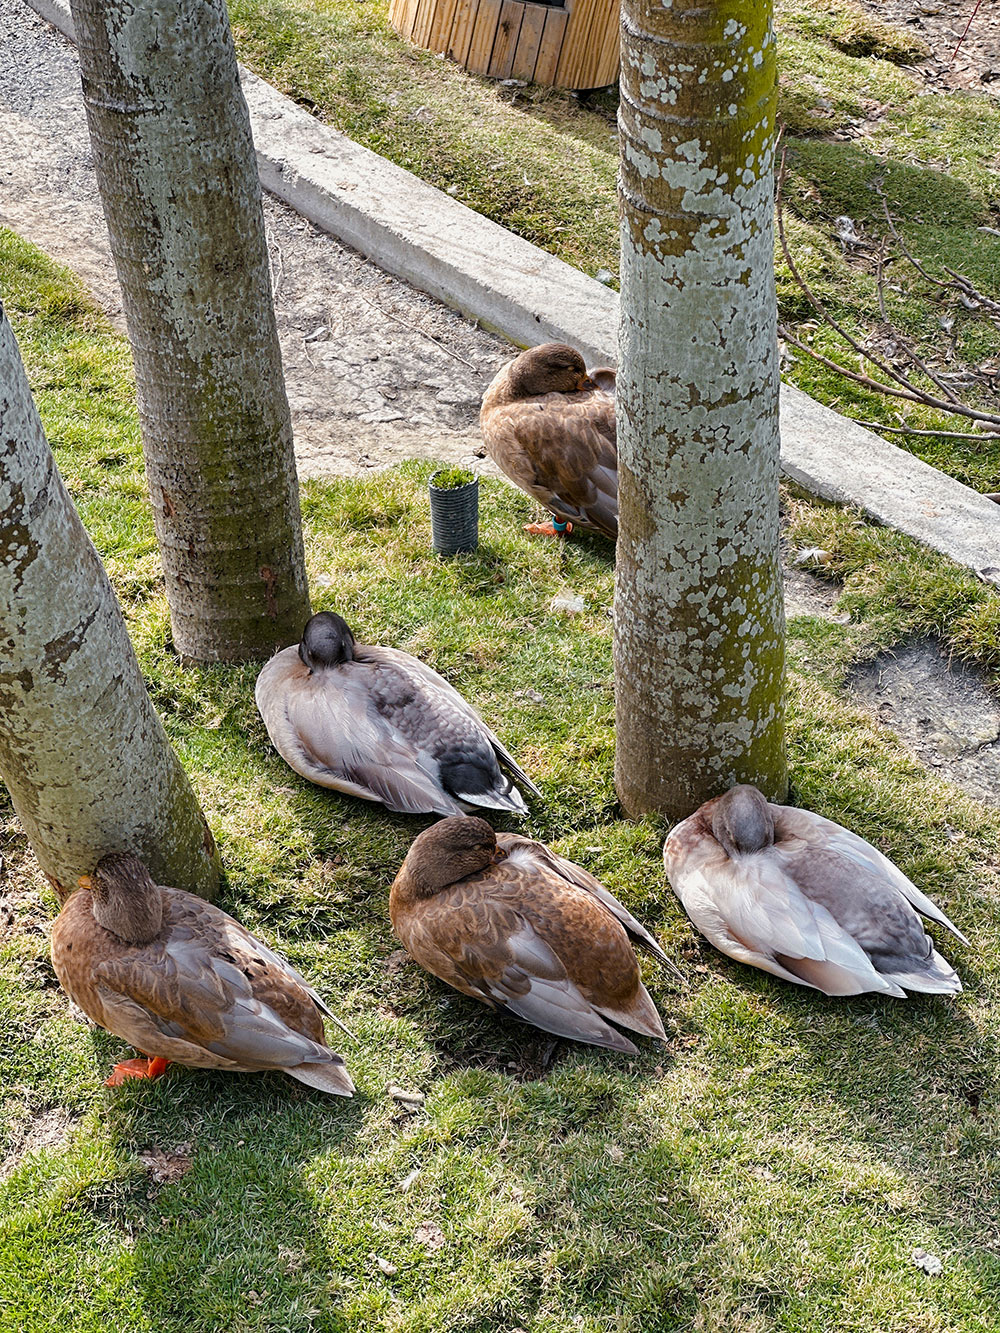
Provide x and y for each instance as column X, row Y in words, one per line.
column 454, row 496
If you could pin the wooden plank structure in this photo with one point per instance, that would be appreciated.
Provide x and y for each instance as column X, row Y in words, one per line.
column 570, row 45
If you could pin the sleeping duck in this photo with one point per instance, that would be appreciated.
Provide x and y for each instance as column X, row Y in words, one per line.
column 803, row 898
column 183, row 982
column 550, row 426
column 379, row 724
column 508, row 922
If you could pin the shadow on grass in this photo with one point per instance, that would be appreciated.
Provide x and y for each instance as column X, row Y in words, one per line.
column 222, row 1220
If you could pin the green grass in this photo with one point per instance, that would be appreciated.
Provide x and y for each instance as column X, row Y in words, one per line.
column 771, row 1168
column 544, row 163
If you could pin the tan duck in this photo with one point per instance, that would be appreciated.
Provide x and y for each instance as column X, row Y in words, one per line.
column 379, row 724
column 550, row 426
column 183, row 982
column 508, row 922
column 805, row 899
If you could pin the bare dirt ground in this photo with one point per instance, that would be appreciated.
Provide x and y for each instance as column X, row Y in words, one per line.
column 970, row 62
column 375, row 371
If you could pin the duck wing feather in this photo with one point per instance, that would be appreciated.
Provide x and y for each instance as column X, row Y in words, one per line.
column 753, row 911
column 825, row 836
column 561, row 448
column 507, row 964
column 327, row 728
column 549, row 861
column 426, row 708
column 210, row 995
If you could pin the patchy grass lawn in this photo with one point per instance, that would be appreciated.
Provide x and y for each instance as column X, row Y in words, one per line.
column 544, row 162
column 772, row 1167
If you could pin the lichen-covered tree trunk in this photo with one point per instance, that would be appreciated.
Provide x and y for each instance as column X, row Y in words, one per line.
column 178, row 178
column 699, row 617
column 86, row 761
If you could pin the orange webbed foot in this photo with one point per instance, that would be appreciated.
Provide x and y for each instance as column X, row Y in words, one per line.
column 548, row 529
column 127, row 1069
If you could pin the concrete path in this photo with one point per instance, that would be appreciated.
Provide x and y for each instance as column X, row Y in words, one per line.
column 376, row 371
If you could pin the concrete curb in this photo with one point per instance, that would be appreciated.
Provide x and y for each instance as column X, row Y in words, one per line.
column 509, row 285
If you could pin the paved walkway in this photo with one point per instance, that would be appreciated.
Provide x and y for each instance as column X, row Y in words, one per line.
column 375, row 370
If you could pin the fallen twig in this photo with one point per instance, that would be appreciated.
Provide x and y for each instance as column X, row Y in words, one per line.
column 965, row 33
column 415, row 328
column 912, row 430
column 911, row 394
column 901, row 386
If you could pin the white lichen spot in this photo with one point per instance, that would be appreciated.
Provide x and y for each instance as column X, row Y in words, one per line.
column 727, row 75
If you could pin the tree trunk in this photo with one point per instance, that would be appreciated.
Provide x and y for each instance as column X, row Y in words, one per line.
column 699, row 618
column 178, row 179
column 84, row 757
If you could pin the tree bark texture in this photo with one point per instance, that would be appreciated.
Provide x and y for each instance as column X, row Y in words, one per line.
column 178, row 179
column 83, row 754
column 699, row 613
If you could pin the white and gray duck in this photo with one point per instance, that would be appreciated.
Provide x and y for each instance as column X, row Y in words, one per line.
column 805, row 899
column 377, row 723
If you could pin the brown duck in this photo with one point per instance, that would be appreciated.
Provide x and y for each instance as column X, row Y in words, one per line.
column 506, row 921
column 550, row 426
column 181, row 981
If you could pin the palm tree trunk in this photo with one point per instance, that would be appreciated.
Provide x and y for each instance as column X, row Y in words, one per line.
column 84, row 756
column 699, row 618
column 178, row 178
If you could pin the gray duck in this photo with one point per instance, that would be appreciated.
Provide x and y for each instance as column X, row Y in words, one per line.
column 377, row 723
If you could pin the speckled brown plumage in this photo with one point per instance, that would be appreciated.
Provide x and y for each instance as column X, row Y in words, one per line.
column 550, row 427
column 529, row 933
column 202, row 992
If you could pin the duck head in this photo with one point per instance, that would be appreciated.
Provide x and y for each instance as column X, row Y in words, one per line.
column 742, row 821
column 448, row 851
column 550, row 368
column 326, row 641
column 126, row 902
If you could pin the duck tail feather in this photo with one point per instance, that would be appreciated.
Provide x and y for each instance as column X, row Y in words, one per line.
column 506, row 760
column 936, row 977
column 495, row 800
column 330, row 1076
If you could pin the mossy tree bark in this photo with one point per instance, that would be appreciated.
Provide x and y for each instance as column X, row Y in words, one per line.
column 86, row 761
column 178, row 179
column 699, row 615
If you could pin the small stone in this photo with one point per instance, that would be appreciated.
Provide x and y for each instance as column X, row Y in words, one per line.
column 412, row 1102
column 605, row 275
column 930, row 1263
column 532, row 696
column 430, row 1235
column 571, row 603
